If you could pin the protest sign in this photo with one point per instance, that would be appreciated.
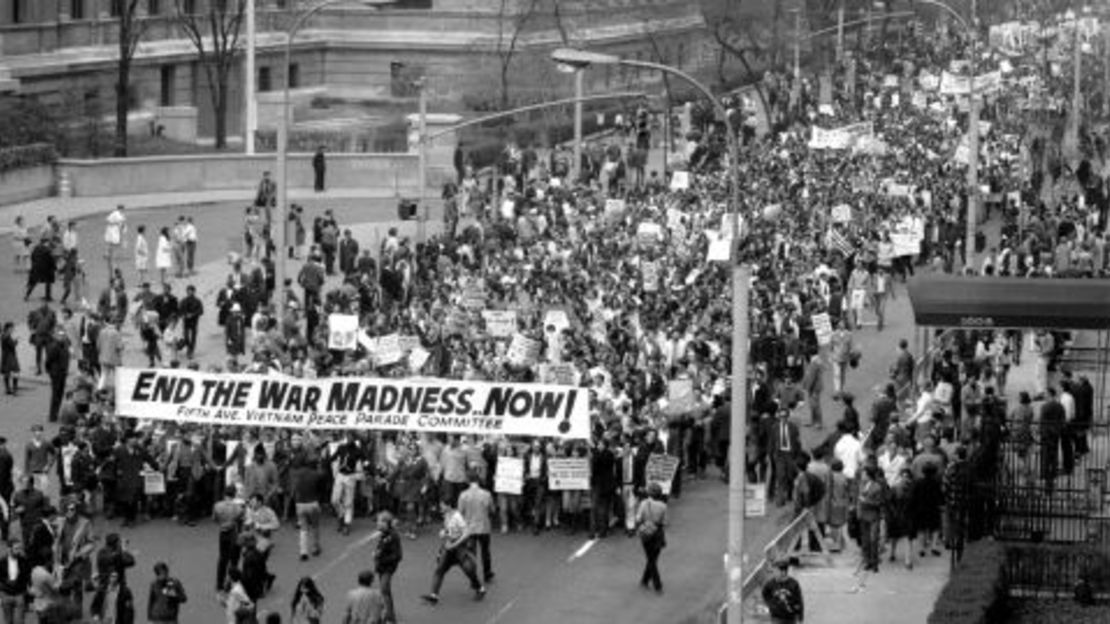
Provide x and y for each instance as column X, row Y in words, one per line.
column 985, row 84
column 557, row 374
column 474, row 296
column 840, row 138
column 822, row 326
column 568, row 473
column 342, row 332
column 417, row 358
column 389, row 350
column 720, row 250
column 452, row 406
column 905, row 244
column 366, row 342
column 674, row 218
column 650, row 273
column 661, row 469
column 500, row 323
column 649, row 233
column 842, row 213
column 680, row 396
column 154, row 483
column 524, row 350
column 508, row 478
column 614, row 209
column 408, row 343
column 885, row 253
column 680, row 181
column 557, row 318
column 755, row 500
column 919, row 100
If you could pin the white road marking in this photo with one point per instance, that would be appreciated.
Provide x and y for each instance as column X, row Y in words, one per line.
column 502, row 612
column 347, row 552
column 585, row 548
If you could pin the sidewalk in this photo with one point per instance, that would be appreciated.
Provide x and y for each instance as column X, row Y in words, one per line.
column 838, row 594
column 65, row 209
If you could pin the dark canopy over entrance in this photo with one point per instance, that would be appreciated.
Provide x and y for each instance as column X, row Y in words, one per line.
column 955, row 301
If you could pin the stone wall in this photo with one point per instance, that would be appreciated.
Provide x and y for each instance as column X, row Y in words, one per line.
column 22, row 185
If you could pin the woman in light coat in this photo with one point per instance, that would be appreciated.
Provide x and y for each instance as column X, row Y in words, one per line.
column 142, row 253
column 163, row 258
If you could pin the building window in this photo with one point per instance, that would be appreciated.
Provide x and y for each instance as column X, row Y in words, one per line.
column 152, row 7
column 168, row 83
column 188, row 7
column 680, row 58
column 115, row 8
column 294, row 76
column 76, row 9
column 264, row 83
column 17, row 11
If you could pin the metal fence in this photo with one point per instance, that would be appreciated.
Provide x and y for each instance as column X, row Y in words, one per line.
column 1055, row 571
column 1034, row 497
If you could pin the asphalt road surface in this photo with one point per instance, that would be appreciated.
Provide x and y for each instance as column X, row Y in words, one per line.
column 554, row 577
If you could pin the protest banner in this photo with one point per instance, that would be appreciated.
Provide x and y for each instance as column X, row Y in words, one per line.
column 568, row 473
column 680, row 181
column 842, row 213
column 755, row 500
column 389, row 350
column 508, row 478
column 614, row 209
column 341, row 403
column 524, row 350
column 648, row 233
column 342, row 332
column 661, row 469
column 557, row 374
column 650, row 273
column 840, row 138
column 985, row 84
column 500, row 323
column 822, row 326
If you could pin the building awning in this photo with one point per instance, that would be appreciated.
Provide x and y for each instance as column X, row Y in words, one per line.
column 954, row 301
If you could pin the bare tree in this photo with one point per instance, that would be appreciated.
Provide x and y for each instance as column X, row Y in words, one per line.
column 740, row 42
column 132, row 27
column 215, row 34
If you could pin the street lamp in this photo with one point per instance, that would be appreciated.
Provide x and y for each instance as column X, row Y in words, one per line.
column 283, row 139
column 741, row 278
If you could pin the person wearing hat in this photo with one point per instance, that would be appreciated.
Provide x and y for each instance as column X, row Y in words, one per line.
column 783, row 595
column 651, row 522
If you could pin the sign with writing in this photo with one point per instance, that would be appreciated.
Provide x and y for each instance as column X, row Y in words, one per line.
column 568, row 473
column 680, row 180
column 985, row 84
column 361, row 403
column 919, row 99
column 154, row 483
column 342, row 332
column 840, row 138
column 474, row 296
column 885, row 253
column 408, row 343
column 614, row 209
column 649, row 233
column 822, row 326
column 905, row 244
column 650, row 272
column 558, row 374
column 661, row 469
column 556, row 318
column 680, row 395
column 418, row 357
column 389, row 350
column 755, row 500
column 500, row 323
column 842, row 213
column 508, row 478
column 524, row 350
column 674, row 218
column 720, row 250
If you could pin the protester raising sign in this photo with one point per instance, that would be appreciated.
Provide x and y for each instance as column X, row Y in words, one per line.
column 509, row 476
column 650, row 271
column 559, row 374
column 389, row 350
column 568, row 473
column 342, row 332
column 524, row 350
column 822, row 326
column 463, row 407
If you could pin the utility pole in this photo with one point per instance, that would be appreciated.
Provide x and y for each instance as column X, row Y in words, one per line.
column 249, row 81
column 797, row 44
column 1077, row 87
column 973, row 153
column 422, row 167
column 840, row 32
column 579, row 87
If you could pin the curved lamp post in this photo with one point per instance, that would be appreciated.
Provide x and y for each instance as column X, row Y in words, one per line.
column 741, row 278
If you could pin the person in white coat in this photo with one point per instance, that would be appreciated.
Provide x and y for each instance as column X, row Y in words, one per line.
column 142, row 253
column 163, row 258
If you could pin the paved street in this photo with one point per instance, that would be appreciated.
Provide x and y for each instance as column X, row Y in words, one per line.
column 551, row 578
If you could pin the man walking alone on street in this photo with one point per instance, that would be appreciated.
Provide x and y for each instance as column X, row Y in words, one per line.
column 454, row 552
column 476, row 505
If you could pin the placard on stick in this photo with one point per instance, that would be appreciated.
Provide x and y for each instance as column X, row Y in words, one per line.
column 661, row 469
column 342, row 332
column 568, row 473
column 822, row 326
column 509, row 476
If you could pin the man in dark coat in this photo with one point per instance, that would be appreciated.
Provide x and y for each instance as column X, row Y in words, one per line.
column 1052, row 437
column 1084, row 395
column 603, row 485
column 130, row 459
column 348, row 253
column 883, row 410
column 41, row 323
column 43, row 267
column 57, row 366
column 784, row 441
column 319, row 169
